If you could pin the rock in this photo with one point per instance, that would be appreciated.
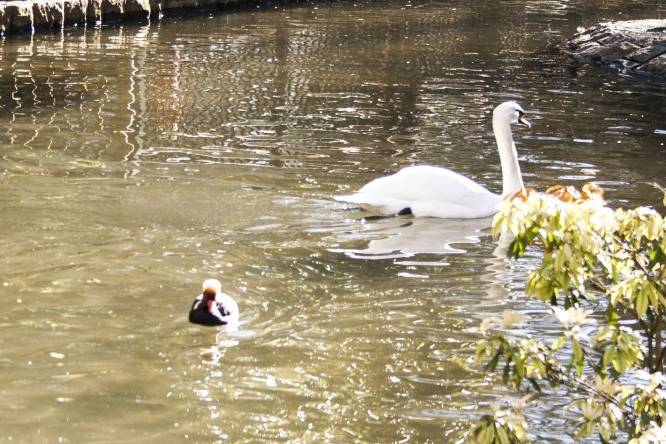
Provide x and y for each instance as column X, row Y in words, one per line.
column 75, row 11
column 15, row 16
column 642, row 55
column 47, row 14
column 94, row 11
column 137, row 8
column 636, row 46
column 111, row 9
column 656, row 65
column 6, row 18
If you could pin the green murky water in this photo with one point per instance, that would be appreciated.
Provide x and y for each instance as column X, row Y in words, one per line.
column 135, row 161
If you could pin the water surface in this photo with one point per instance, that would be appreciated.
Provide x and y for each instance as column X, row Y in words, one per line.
column 137, row 160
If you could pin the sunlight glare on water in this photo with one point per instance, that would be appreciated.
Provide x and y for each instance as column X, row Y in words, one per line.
column 138, row 160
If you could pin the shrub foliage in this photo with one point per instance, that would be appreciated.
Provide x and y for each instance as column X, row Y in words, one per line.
column 603, row 278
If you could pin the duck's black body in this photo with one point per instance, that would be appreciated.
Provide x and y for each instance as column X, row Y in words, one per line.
column 199, row 314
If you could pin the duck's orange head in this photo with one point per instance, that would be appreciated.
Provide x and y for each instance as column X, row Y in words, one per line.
column 211, row 287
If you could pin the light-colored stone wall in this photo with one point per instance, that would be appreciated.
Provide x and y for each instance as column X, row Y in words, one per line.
column 26, row 15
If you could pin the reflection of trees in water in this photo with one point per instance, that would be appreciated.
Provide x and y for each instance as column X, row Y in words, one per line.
column 249, row 92
column 59, row 98
column 250, row 95
column 282, row 89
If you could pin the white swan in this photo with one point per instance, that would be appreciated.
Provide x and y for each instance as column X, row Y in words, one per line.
column 428, row 191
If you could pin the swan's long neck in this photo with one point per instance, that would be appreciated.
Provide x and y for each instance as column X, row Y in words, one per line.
column 511, row 178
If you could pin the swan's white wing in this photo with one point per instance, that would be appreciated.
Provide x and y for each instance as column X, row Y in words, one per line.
column 427, row 191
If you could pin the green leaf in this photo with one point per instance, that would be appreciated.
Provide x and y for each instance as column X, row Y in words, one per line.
column 502, row 435
column 535, row 384
column 518, row 248
column 577, row 350
column 641, row 304
column 608, row 356
column 559, row 342
column 586, row 429
column 481, row 347
column 485, row 434
column 492, row 364
column 652, row 295
column 617, row 360
column 507, row 371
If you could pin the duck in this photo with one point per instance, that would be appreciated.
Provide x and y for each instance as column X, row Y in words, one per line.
column 213, row 307
column 431, row 191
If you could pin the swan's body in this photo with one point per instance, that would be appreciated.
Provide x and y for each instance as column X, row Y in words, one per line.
column 213, row 307
column 428, row 191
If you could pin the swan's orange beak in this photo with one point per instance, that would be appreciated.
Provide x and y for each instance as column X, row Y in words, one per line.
column 523, row 121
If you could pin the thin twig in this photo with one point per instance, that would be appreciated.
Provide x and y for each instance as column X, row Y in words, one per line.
column 598, row 285
column 658, row 351
column 566, row 378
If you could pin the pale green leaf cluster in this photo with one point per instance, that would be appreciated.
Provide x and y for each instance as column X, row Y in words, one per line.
column 591, row 253
column 504, row 426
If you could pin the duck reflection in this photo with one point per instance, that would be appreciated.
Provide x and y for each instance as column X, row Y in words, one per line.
column 398, row 237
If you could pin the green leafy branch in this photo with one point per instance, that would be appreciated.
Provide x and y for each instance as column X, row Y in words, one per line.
column 593, row 256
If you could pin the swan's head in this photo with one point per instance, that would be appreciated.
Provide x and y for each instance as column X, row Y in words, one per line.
column 211, row 288
column 510, row 112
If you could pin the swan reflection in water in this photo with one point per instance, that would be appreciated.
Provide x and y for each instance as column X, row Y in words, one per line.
column 398, row 237
column 401, row 238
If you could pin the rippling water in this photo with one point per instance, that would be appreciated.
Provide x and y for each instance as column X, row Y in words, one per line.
column 135, row 161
